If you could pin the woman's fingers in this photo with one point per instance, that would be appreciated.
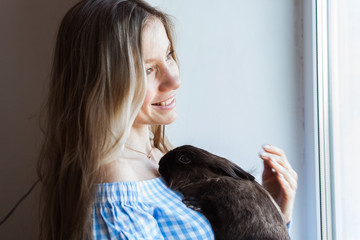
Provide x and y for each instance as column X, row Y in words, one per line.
column 275, row 159
column 279, row 178
column 279, row 156
column 286, row 165
column 283, row 173
column 278, row 152
column 273, row 149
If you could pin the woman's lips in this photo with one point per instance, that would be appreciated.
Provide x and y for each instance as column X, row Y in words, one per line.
column 166, row 105
column 165, row 102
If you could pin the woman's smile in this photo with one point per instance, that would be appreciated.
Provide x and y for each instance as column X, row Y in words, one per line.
column 166, row 104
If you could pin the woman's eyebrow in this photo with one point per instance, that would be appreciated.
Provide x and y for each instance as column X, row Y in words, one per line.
column 153, row 59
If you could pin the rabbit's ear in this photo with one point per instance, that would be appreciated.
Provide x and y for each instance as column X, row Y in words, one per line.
column 242, row 173
column 231, row 169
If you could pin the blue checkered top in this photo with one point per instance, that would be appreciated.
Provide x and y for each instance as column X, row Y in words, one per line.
column 145, row 210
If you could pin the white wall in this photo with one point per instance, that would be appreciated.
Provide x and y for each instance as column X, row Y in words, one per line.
column 242, row 73
column 242, row 82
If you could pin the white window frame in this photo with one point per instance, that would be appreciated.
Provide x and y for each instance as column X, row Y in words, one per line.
column 318, row 207
column 324, row 123
column 319, row 110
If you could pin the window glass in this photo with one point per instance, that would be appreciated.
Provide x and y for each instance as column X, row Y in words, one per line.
column 344, row 75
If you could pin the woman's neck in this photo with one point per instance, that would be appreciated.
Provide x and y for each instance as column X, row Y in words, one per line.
column 128, row 165
column 139, row 138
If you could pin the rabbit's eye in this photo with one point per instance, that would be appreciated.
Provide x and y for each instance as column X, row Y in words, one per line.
column 184, row 160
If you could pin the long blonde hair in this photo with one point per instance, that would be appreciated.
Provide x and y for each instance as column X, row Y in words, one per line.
column 97, row 88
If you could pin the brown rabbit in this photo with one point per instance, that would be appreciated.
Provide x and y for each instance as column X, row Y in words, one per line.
column 235, row 204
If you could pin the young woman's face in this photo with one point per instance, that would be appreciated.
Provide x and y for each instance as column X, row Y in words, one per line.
column 162, row 75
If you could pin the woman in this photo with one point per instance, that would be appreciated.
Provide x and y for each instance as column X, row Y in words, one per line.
column 114, row 81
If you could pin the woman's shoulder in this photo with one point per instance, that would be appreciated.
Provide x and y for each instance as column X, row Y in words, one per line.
column 131, row 169
column 130, row 191
column 147, row 207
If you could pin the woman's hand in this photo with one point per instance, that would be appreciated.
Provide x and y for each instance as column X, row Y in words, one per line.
column 279, row 179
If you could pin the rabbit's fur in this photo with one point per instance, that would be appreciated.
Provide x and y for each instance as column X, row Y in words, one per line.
column 234, row 203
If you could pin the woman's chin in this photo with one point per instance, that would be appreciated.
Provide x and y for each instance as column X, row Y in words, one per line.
column 170, row 119
column 161, row 119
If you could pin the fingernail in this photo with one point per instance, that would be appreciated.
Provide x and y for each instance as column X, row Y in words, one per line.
column 267, row 146
column 264, row 154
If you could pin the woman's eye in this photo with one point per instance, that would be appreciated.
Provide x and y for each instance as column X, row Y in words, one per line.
column 170, row 55
column 149, row 71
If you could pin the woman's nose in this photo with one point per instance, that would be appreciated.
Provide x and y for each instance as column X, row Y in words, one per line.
column 170, row 79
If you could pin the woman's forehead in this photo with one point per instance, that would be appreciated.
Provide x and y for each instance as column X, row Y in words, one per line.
column 155, row 40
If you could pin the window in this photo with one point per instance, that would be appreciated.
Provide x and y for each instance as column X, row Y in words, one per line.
column 338, row 44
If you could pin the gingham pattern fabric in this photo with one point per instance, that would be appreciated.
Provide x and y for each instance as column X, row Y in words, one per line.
column 145, row 210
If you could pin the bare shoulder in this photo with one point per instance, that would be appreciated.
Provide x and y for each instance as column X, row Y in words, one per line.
column 132, row 169
column 119, row 170
column 157, row 155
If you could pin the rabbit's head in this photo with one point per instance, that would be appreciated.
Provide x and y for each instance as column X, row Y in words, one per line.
column 188, row 164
